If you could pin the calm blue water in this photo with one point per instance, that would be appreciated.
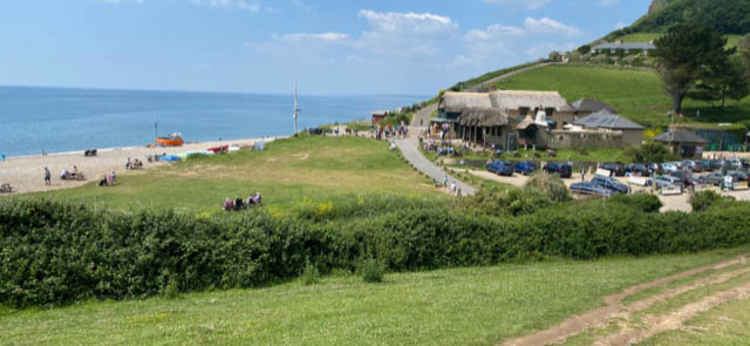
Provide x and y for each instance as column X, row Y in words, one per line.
column 60, row 120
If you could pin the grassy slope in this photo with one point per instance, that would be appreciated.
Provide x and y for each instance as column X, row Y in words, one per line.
column 636, row 94
column 289, row 172
column 732, row 40
column 458, row 306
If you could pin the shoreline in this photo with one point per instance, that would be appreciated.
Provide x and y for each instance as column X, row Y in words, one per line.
column 25, row 173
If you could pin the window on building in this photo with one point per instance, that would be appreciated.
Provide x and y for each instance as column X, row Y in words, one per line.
column 549, row 111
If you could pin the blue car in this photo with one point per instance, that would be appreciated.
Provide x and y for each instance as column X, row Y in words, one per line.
column 501, row 168
column 592, row 189
column 610, row 184
column 525, row 167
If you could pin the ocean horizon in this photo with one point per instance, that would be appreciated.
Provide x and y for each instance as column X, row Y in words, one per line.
column 58, row 119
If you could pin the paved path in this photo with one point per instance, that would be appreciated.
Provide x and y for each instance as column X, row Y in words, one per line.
column 409, row 149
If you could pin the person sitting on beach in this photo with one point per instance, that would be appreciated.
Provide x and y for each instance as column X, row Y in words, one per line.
column 257, row 199
column 64, row 174
column 228, row 204
column 113, row 177
column 239, row 204
column 127, row 165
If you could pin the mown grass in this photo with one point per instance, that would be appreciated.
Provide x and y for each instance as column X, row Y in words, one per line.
column 732, row 40
column 636, row 94
column 457, row 306
column 290, row 173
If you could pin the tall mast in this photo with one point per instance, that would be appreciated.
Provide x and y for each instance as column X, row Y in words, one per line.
column 295, row 115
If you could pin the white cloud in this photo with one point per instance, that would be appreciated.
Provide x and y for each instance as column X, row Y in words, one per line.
column 420, row 23
column 252, row 6
column 549, row 26
column 530, row 4
column 493, row 32
column 325, row 37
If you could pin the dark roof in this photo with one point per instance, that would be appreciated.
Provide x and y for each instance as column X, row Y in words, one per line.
column 680, row 136
column 631, row 45
column 592, row 106
column 606, row 120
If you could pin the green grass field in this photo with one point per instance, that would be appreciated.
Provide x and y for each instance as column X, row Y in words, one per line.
column 289, row 173
column 636, row 94
column 448, row 307
column 732, row 40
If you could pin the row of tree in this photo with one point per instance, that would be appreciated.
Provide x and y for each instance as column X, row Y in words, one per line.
column 693, row 62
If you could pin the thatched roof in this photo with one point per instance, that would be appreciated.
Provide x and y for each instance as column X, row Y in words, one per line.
column 592, row 106
column 483, row 117
column 680, row 136
column 457, row 101
column 606, row 120
column 517, row 99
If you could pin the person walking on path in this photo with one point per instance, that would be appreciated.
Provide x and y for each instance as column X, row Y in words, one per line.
column 47, row 176
column 583, row 174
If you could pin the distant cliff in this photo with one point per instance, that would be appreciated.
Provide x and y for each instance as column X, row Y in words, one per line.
column 656, row 6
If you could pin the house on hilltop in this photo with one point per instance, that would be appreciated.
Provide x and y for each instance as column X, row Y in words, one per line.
column 641, row 47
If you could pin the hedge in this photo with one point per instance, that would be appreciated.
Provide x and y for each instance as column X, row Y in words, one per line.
column 56, row 254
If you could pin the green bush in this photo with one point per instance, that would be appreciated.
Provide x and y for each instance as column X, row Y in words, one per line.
column 640, row 201
column 650, row 152
column 371, row 270
column 703, row 200
column 53, row 253
column 311, row 275
column 551, row 185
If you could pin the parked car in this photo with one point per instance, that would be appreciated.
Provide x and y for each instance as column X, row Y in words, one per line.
column 501, row 168
column 616, row 168
column 685, row 177
column 525, row 167
column 564, row 170
column 715, row 164
column 715, row 178
column 592, row 189
column 655, row 168
column 669, row 167
column 637, row 169
column 667, row 181
column 738, row 175
column 706, row 164
column 611, row 184
column 693, row 166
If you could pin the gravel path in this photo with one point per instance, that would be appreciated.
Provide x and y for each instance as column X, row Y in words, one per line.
column 409, row 149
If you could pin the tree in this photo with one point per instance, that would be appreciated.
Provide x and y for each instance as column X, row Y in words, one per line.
column 744, row 46
column 555, row 56
column 585, row 49
column 725, row 79
column 683, row 54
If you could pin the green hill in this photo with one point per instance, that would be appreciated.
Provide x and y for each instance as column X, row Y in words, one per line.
column 636, row 94
column 730, row 17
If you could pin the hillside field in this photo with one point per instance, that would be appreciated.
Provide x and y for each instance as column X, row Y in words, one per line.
column 290, row 173
column 636, row 94
column 479, row 306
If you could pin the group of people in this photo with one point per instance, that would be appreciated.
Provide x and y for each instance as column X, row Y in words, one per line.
column 108, row 179
column 452, row 187
column 134, row 164
column 240, row 204
column 388, row 131
column 441, row 149
column 65, row 174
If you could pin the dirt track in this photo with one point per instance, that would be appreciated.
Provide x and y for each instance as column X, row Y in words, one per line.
column 629, row 331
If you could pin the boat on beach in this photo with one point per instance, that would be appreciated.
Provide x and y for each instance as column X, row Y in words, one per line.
column 174, row 140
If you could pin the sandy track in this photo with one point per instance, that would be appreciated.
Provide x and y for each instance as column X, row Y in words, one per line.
column 26, row 173
column 614, row 309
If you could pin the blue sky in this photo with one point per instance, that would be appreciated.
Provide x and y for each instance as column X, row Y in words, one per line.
column 261, row 46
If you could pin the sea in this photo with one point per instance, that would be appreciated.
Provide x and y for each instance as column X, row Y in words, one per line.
column 62, row 120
